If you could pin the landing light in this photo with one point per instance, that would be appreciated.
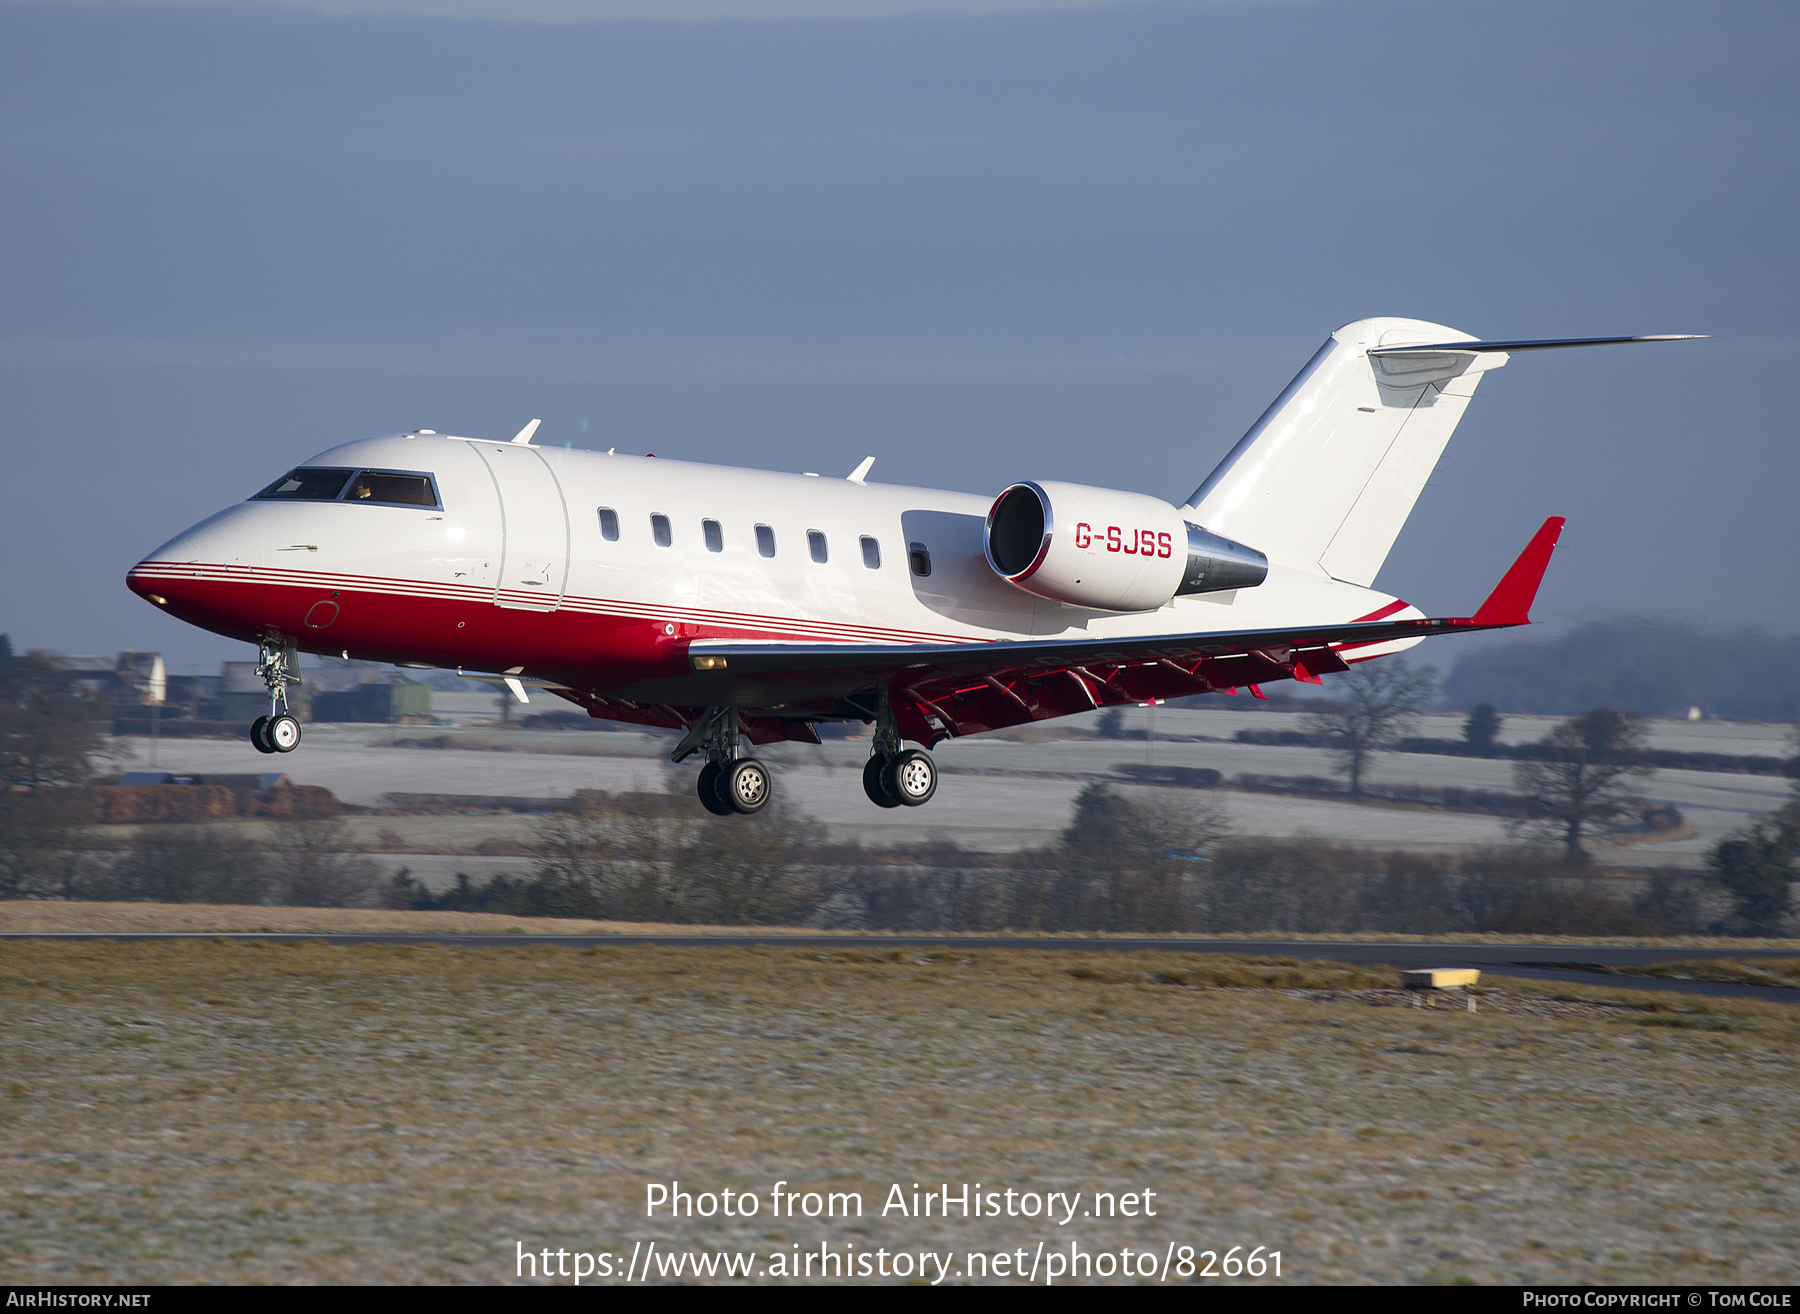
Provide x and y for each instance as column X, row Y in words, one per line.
column 708, row 663
column 158, row 599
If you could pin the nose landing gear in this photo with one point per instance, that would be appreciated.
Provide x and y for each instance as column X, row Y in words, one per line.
column 279, row 731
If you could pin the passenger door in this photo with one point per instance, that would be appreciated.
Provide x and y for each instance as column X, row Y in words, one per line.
column 534, row 563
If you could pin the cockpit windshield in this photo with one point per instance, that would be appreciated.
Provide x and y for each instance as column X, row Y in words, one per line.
column 309, row 485
column 374, row 487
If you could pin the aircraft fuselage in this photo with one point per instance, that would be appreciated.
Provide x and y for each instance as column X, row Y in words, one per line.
column 513, row 569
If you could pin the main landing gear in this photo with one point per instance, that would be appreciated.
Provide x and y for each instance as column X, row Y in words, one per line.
column 893, row 777
column 728, row 783
column 907, row 779
column 279, row 731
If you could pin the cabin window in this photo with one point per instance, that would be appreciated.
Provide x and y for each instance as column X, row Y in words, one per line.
column 765, row 540
column 659, row 530
column 304, row 485
column 609, row 524
column 383, row 488
column 871, row 553
column 919, row 557
column 715, row 537
column 815, row 543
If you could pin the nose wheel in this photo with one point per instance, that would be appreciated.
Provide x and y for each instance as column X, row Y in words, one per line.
column 275, row 734
column 278, row 732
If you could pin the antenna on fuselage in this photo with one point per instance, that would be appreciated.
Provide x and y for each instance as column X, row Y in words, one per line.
column 861, row 472
column 524, row 435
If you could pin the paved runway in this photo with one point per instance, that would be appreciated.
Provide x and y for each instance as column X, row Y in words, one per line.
column 1563, row 962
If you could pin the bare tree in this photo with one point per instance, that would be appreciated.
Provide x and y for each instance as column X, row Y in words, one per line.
column 1583, row 775
column 660, row 859
column 750, row 871
column 1377, row 702
column 189, row 864
column 1127, row 865
column 48, row 731
column 313, row 864
column 46, row 851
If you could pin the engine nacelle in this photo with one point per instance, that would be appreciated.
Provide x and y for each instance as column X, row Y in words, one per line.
column 1110, row 550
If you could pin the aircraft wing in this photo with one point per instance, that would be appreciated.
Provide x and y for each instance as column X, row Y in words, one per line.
column 962, row 688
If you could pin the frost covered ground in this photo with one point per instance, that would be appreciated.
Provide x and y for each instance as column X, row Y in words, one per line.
column 998, row 793
column 202, row 1111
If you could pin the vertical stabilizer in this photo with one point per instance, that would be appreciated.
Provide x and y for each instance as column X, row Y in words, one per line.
column 1326, row 478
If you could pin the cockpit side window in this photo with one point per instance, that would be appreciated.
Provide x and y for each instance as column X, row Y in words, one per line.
column 308, row 485
column 392, row 489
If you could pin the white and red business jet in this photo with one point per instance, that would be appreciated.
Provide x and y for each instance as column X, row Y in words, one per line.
column 739, row 605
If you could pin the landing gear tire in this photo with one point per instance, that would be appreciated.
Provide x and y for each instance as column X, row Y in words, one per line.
column 911, row 777
column 707, row 787
column 878, row 793
column 745, row 784
column 257, row 740
column 282, row 734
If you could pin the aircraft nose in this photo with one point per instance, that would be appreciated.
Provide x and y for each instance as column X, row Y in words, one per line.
column 187, row 578
column 152, row 578
column 183, row 547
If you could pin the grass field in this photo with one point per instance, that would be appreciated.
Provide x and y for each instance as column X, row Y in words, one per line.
column 206, row 1111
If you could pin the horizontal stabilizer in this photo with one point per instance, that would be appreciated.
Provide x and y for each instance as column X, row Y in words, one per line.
column 1528, row 344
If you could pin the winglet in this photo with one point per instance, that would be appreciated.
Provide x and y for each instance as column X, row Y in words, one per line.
column 1510, row 602
column 524, row 435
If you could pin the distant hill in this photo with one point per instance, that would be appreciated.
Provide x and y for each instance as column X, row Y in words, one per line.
column 1651, row 665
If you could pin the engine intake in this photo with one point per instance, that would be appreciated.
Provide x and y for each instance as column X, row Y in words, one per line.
column 1110, row 550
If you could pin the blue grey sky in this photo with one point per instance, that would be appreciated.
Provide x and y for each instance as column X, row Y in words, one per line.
column 982, row 242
